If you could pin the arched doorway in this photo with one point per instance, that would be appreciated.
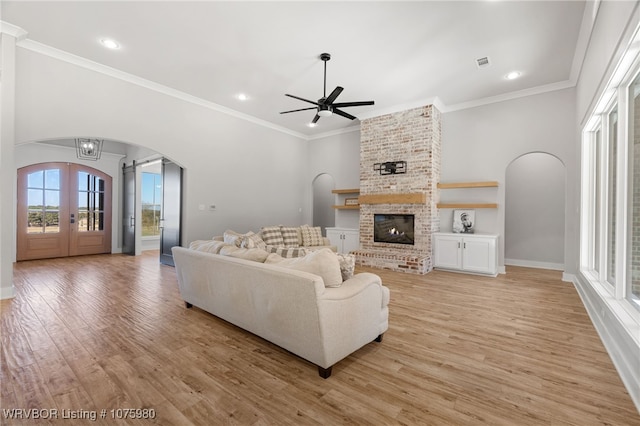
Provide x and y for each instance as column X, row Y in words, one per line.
column 535, row 211
column 64, row 209
column 323, row 199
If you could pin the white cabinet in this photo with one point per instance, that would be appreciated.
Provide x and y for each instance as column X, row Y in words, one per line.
column 476, row 253
column 345, row 239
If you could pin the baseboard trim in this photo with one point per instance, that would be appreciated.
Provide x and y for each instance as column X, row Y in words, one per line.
column 7, row 292
column 534, row 264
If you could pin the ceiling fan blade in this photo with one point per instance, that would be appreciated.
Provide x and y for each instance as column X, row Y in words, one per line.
column 344, row 114
column 315, row 119
column 296, row 110
column 301, row 99
column 332, row 97
column 348, row 104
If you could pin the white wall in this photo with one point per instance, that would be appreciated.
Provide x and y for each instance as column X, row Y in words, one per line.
column 250, row 172
column 535, row 212
column 479, row 143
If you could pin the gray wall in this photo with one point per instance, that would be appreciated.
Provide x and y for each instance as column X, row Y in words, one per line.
column 478, row 144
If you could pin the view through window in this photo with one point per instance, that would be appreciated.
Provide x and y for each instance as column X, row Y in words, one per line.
column 151, row 203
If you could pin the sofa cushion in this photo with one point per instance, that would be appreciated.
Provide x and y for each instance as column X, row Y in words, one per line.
column 210, row 246
column 287, row 252
column 347, row 265
column 290, row 236
column 272, row 236
column 311, row 236
column 321, row 262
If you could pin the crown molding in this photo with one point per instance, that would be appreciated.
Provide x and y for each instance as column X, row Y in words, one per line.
column 12, row 30
column 62, row 55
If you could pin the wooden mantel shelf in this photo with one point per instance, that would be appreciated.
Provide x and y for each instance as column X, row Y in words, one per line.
column 407, row 198
column 345, row 191
column 467, row 185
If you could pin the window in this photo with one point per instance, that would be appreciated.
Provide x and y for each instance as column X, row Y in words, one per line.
column 151, row 203
column 633, row 216
column 612, row 158
column 611, row 192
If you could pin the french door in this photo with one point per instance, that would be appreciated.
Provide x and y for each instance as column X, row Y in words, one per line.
column 64, row 209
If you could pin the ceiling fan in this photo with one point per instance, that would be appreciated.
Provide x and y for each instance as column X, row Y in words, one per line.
column 325, row 106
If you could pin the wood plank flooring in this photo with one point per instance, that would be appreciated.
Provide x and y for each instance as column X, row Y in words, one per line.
column 111, row 332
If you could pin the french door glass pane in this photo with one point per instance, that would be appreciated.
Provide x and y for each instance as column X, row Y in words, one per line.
column 633, row 260
column 43, row 201
column 612, row 145
column 36, row 179
column 90, row 202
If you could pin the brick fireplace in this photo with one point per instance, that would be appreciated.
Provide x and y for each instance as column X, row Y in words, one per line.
column 413, row 136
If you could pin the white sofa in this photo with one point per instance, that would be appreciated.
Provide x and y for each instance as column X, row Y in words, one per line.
column 290, row 308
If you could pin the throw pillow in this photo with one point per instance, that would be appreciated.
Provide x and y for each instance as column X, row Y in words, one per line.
column 210, row 246
column 290, row 236
column 253, row 240
column 254, row 254
column 347, row 265
column 272, row 236
column 321, row 262
column 311, row 235
column 232, row 237
column 287, row 252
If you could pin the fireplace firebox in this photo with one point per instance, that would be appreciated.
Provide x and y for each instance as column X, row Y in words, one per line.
column 393, row 228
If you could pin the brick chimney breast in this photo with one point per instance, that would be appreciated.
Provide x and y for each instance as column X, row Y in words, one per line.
column 413, row 136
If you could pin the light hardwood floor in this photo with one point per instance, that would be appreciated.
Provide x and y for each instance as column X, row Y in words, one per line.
column 109, row 332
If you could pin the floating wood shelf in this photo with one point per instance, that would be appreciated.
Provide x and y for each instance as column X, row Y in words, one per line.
column 345, row 191
column 346, row 207
column 408, row 198
column 467, row 205
column 455, row 185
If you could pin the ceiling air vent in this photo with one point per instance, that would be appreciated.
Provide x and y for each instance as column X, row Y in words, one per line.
column 483, row 62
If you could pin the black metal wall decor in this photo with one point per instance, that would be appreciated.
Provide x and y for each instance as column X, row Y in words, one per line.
column 391, row 167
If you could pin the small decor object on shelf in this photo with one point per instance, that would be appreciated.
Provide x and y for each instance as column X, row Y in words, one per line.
column 464, row 221
column 350, row 201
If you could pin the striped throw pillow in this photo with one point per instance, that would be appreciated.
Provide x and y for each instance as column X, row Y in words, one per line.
column 272, row 236
column 290, row 236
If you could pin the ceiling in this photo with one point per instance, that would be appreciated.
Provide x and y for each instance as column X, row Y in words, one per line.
column 399, row 54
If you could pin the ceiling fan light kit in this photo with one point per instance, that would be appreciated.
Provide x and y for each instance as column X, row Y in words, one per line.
column 325, row 106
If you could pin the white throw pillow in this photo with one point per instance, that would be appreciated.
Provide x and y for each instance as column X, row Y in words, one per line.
column 255, row 254
column 347, row 265
column 232, row 237
column 210, row 246
column 322, row 262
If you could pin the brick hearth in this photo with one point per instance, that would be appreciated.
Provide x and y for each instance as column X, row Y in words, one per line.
column 413, row 136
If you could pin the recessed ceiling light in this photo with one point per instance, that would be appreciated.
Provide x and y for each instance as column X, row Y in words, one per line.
column 110, row 43
column 243, row 97
column 512, row 75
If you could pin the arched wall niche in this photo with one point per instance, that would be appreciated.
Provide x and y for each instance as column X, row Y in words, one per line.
column 535, row 185
column 323, row 200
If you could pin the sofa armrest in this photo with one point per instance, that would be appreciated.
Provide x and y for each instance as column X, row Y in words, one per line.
column 354, row 286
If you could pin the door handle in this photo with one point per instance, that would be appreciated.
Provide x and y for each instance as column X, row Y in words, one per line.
column 132, row 221
column 161, row 224
column 73, row 219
